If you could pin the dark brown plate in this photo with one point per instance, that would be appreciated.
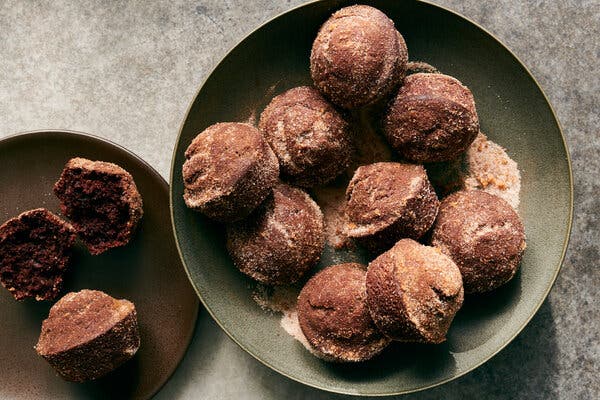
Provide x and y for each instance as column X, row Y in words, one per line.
column 147, row 271
column 513, row 112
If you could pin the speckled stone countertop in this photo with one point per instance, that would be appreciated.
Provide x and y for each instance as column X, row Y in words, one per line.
column 127, row 71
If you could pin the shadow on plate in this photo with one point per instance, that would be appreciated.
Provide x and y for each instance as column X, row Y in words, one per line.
column 399, row 356
column 481, row 315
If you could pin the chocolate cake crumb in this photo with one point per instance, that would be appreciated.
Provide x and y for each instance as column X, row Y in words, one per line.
column 35, row 250
column 102, row 202
column 88, row 334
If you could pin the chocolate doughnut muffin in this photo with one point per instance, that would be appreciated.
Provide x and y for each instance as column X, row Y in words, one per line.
column 432, row 118
column 229, row 170
column 281, row 240
column 35, row 250
column 413, row 292
column 88, row 334
column 388, row 201
column 484, row 236
column 358, row 57
column 333, row 315
column 310, row 138
column 101, row 200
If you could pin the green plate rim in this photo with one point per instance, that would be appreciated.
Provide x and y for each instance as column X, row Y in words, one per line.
column 517, row 332
column 164, row 182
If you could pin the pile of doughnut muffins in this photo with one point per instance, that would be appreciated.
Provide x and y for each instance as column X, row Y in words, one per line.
column 426, row 253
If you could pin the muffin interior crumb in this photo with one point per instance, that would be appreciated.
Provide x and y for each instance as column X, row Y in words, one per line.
column 99, row 209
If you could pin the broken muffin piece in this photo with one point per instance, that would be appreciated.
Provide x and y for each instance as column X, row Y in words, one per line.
column 88, row 334
column 35, row 250
column 101, row 200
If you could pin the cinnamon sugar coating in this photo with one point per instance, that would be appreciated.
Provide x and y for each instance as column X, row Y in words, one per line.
column 484, row 236
column 432, row 118
column 358, row 57
column 333, row 315
column 413, row 292
column 388, row 201
column 229, row 170
column 281, row 240
column 88, row 334
column 311, row 139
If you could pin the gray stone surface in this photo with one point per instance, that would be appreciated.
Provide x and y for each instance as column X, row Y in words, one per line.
column 126, row 71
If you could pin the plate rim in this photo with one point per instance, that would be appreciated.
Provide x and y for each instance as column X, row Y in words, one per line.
column 164, row 184
column 444, row 381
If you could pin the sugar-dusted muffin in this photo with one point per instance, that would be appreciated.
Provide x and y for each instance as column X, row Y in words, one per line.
column 35, row 250
column 102, row 202
column 229, row 170
column 88, row 334
column 358, row 57
column 333, row 315
column 413, row 292
column 311, row 139
column 432, row 118
column 281, row 240
column 388, row 201
column 484, row 236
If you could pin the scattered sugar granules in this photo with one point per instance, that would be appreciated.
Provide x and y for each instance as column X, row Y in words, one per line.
column 490, row 169
column 332, row 200
column 276, row 298
column 282, row 299
column 484, row 166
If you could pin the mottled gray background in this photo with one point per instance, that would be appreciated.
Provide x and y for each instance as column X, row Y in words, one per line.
column 128, row 70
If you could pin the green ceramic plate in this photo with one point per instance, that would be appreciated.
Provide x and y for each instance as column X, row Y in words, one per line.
column 513, row 112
